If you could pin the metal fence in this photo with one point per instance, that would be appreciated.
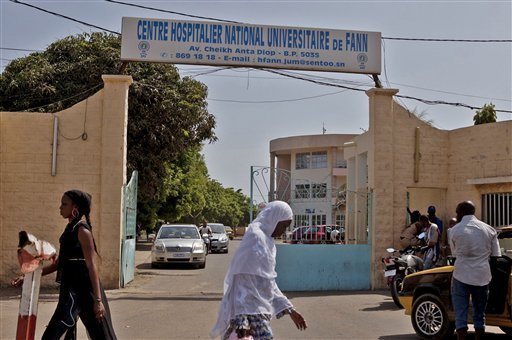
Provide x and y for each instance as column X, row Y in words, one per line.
column 497, row 209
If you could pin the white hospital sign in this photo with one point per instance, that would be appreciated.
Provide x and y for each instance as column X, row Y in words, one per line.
column 233, row 44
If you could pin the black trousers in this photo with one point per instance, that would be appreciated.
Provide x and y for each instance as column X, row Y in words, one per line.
column 77, row 303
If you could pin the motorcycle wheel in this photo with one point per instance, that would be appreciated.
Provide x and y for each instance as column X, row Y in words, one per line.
column 396, row 287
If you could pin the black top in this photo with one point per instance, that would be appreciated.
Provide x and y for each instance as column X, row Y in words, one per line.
column 72, row 267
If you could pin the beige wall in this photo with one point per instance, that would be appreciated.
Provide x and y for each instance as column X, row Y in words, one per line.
column 30, row 195
column 449, row 162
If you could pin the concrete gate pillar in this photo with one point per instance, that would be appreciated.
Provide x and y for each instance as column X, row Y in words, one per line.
column 380, row 176
column 113, row 175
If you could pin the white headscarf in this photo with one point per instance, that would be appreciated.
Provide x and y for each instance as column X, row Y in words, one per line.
column 256, row 256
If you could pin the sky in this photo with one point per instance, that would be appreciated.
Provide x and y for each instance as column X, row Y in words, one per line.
column 270, row 106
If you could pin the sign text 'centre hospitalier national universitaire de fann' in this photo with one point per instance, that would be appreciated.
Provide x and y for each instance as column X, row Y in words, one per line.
column 244, row 45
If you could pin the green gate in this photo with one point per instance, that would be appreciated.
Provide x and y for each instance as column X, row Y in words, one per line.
column 129, row 235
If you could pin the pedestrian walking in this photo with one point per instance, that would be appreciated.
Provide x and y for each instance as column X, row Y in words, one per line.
column 473, row 243
column 81, row 294
column 251, row 296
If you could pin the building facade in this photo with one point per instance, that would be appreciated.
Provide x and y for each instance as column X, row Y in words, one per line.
column 311, row 174
column 401, row 161
column 41, row 157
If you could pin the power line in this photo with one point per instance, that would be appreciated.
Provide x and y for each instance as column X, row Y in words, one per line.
column 65, row 17
column 429, row 102
column 171, row 12
column 386, row 38
column 425, row 101
column 274, row 101
column 68, row 98
column 441, row 102
column 454, row 93
column 451, row 40
column 18, row 49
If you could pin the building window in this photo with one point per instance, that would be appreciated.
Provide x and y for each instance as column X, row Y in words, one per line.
column 318, row 219
column 341, row 164
column 497, row 209
column 319, row 160
column 319, row 190
column 302, row 191
column 301, row 220
column 340, row 219
column 302, row 160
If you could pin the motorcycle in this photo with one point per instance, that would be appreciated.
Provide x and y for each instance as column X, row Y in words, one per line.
column 397, row 267
column 207, row 240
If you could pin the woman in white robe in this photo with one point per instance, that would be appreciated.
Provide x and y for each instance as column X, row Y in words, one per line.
column 251, row 296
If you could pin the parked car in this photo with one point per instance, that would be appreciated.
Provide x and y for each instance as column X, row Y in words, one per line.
column 220, row 240
column 426, row 296
column 313, row 234
column 178, row 243
column 230, row 232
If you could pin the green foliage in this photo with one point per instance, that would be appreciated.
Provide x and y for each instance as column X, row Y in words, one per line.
column 167, row 114
column 194, row 197
column 187, row 182
column 486, row 115
column 168, row 122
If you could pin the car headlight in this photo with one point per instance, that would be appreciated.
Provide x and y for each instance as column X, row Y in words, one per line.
column 223, row 238
column 198, row 247
column 159, row 248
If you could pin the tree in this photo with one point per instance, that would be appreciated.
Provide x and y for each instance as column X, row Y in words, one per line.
column 167, row 114
column 486, row 115
column 187, row 183
column 194, row 197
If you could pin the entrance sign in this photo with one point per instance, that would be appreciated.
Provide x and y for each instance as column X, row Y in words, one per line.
column 244, row 45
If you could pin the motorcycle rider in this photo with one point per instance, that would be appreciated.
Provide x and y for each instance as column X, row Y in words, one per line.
column 206, row 230
column 409, row 236
column 432, row 239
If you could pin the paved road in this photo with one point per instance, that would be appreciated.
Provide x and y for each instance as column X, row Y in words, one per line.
column 180, row 303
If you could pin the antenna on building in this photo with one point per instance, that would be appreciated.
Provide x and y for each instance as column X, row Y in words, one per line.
column 323, row 128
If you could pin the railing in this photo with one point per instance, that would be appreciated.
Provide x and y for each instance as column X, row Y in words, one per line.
column 316, row 235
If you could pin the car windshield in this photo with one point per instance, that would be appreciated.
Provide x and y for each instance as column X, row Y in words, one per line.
column 505, row 240
column 178, row 232
column 218, row 229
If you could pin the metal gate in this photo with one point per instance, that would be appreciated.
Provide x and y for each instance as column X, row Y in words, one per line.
column 129, row 230
column 316, row 267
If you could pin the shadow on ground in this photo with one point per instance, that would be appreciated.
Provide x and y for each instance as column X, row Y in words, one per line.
column 143, row 246
column 383, row 306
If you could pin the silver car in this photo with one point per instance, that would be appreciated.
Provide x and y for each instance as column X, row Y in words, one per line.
column 178, row 243
column 220, row 240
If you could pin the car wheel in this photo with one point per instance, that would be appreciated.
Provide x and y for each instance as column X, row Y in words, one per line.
column 201, row 265
column 155, row 265
column 429, row 318
column 507, row 330
column 227, row 250
column 396, row 287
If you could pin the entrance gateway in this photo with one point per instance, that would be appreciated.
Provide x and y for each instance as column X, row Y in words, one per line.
column 261, row 46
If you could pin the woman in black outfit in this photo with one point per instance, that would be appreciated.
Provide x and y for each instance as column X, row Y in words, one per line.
column 81, row 294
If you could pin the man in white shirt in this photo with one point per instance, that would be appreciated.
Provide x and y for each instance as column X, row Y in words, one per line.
column 206, row 230
column 432, row 238
column 472, row 243
column 334, row 235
